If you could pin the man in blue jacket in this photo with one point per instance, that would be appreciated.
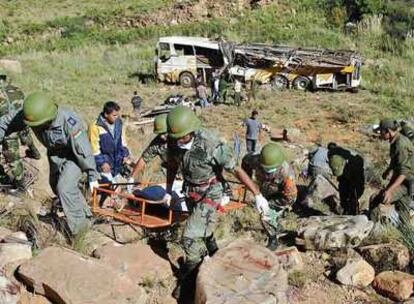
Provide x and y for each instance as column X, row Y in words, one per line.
column 108, row 142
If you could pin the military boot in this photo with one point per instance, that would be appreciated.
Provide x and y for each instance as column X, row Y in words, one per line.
column 211, row 245
column 186, row 282
column 272, row 243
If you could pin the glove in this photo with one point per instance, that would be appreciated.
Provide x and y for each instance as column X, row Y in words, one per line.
column 93, row 184
column 167, row 199
column 262, row 205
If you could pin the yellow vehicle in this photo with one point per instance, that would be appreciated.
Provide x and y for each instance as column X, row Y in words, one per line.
column 181, row 59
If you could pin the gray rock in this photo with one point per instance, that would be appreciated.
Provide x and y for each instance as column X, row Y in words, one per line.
column 9, row 292
column 289, row 258
column 242, row 272
column 357, row 272
column 332, row 232
column 12, row 252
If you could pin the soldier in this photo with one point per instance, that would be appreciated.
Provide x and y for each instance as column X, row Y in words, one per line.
column 276, row 179
column 348, row 167
column 157, row 147
column 68, row 150
column 407, row 130
column 202, row 163
column 399, row 191
column 11, row 99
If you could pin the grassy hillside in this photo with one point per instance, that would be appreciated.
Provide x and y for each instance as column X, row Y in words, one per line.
column 84, row 53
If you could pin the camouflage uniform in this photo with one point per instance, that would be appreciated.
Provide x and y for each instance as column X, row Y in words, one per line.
column 278, row 187
column 402, row 163
column 11, row 145
column 351, row 179
column 157, row 147
column 201, row 167
column 69, row 154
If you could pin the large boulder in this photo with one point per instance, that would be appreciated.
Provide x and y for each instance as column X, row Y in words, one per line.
column 138, row 261
column 389, row 256
column 333, row 232
column 64, row 277
column 396, row 285
column 356, row 272
column 242, row 272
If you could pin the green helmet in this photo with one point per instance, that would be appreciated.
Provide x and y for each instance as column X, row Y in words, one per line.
column 182, row 121
column 38, row 109
column 272, row 156
column 160, row 124
column 408, row 131
column 337, row 164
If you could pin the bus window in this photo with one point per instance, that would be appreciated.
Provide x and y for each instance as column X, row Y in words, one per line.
column 165, row 52
column 209, row 56
column 183, row 50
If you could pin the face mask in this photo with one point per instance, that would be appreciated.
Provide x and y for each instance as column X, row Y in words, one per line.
column 270, row 171
column 186, row 146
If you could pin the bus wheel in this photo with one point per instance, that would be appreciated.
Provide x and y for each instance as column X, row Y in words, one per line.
column 279, row 82
column 301, row 83
column 186, row 80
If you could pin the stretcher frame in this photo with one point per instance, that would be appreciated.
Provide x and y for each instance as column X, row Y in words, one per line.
column 139, row 216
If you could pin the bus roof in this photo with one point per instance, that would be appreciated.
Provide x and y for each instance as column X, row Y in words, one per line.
column 196, row 41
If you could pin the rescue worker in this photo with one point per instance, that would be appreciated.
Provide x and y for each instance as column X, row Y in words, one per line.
column 157, row 147
column 11, row 99
column 407, row 130
column 276, row 179
column 348, row 167
column 202, row 163
column 399, row 190
column 68, row 149
column 108, row 141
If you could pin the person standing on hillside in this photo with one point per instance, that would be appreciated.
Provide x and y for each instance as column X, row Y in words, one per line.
column 253, row 127
column 237, row 92
column 69, row 152
column 136, row 102
column 201, row 93
column 107, row 137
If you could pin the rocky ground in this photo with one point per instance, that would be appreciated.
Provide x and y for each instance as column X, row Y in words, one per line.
column 335, row 260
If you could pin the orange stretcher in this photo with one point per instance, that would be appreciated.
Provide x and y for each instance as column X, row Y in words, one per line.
column 146, row 213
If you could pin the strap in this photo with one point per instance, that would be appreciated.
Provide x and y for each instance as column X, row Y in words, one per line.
column 199, row 199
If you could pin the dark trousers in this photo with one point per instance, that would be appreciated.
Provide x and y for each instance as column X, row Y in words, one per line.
column 251, row 145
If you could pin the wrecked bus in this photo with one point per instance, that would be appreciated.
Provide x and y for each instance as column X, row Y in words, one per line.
column 181, row 59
